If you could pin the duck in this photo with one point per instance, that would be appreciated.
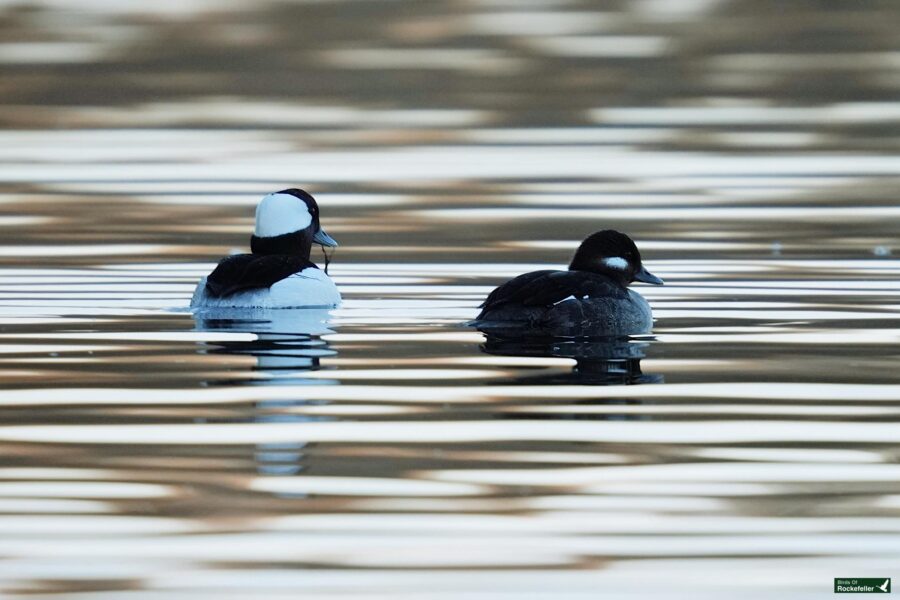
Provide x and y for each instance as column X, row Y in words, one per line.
column 277, row 273
column 591, row 298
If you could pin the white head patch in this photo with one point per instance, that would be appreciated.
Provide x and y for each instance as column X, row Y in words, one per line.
column 278, row 214
column 616, row 262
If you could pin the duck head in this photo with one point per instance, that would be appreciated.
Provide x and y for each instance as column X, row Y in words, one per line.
column 613, row 254
column 287, row 222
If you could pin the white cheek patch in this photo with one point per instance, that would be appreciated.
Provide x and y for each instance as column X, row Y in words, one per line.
column 616, row 262
column 278, row 214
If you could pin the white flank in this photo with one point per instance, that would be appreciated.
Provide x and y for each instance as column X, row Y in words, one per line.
column 310, row 288
column 278, row 214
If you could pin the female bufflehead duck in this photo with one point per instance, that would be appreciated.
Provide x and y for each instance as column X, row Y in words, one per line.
column 590, row 299
column 278, row 273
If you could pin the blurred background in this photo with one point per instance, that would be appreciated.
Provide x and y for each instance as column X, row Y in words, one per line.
column 196, row 108
column 386, row 450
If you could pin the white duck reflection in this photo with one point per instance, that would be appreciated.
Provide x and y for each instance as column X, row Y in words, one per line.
column 600, row 361
column 288, row 342
column 287, row 345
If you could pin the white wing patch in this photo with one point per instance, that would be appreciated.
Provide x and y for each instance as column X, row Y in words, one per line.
column 278, row 214
column 564, row 300
column 616, row 262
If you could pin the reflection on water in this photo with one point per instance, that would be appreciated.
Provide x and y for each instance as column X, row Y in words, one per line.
column 609, row 361
column 287, row 344
column 384, row 450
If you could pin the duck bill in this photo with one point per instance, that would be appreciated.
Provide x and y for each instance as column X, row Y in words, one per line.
column 646, row 276
column 323, row 238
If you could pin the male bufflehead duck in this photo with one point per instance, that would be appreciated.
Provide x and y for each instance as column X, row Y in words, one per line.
column 590, row 299
column 278, row 273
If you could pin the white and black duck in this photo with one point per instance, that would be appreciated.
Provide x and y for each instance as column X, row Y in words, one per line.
column 278, row 272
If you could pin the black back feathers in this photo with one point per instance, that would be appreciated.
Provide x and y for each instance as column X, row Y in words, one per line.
column 546, row 288
column 243, row 272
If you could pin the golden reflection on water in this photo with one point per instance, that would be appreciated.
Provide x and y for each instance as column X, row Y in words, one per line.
column 386, row 450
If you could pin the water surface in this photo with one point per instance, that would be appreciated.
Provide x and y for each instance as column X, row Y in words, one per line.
column 748, row 448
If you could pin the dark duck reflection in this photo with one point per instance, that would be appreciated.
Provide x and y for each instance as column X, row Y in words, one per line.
column 599, row 361
column 589, row 299
column 287, row 345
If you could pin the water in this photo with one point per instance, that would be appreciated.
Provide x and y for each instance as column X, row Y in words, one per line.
column 748, row 448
